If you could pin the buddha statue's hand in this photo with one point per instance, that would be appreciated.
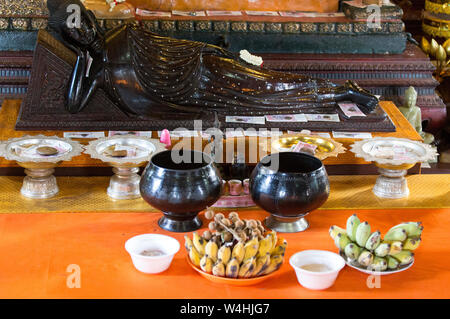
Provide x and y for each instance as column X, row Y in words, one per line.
column 366, row 100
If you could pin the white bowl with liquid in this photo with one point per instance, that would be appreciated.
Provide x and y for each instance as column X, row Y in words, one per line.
column 316, row 269
column 152, row 253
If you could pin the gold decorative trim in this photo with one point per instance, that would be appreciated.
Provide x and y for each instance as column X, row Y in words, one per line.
column 436, row 6
column 436, row 29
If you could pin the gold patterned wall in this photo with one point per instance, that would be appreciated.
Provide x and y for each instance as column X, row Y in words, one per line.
column 23, row 8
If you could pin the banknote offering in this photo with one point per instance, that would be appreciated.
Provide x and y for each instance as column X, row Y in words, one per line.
column 261, row 120
column 84, row 134
column 263, row 133
column 292, row 14
column 223, row 13
column 286, row 118
column 351, row 109
column 136, row 133
column 147, row 13
column 303, row 147
column 352, row 135
column 262, row 13
column 189, row 13
column 322, row 117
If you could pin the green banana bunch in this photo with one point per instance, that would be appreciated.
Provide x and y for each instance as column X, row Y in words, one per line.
column 382, row 250
column 362, row 234
column 378, row 264
column 352, row 224
column 365, row 258
column 395, row 234
column 370, row 250
column 341, row 241
column 373, row 241
column 335, row 230
column 412, row 229
column 392, row 262
column 411, row 243
column 352, row 251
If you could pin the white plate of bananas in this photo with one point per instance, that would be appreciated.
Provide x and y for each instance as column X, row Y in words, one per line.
column 368, row 252
column 234, row 251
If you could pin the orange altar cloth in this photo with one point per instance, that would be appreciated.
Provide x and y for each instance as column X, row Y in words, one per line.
column 37, row 250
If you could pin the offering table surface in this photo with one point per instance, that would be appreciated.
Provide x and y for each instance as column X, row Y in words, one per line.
column 10, row 110
column 39, row 248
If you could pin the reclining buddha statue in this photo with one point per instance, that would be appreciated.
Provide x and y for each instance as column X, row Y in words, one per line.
column 144, row 73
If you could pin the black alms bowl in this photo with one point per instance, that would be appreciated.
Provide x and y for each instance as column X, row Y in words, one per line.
column 289, row 185
column 180, row 189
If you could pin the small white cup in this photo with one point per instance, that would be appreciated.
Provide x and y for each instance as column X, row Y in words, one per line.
column 152, row 264
column 312, row 279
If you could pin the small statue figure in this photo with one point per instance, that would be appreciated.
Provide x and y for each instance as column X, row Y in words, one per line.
column 414, row 115
column 149, row 75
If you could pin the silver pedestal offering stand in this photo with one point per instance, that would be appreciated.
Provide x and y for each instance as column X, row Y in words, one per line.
column 393, row 157
column 126, row 154
column 39, row 155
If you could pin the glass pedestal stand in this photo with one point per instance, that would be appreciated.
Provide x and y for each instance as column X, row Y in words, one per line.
column 125, row 183
column 39, row 183
column 391, row 183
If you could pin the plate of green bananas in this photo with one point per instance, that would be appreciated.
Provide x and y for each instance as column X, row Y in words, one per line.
column 234, row 251
column 371, row 253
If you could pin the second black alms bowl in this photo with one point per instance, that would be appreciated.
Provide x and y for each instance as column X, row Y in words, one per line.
column 289, row 185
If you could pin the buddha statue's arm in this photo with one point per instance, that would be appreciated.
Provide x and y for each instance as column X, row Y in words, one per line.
column 81, row 88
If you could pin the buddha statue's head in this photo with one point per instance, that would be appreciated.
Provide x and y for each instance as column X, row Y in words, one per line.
column 410, row 97
column 74, row 24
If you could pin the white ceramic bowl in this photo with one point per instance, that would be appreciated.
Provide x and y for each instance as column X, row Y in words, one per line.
column 152, row 264
column 312, row 279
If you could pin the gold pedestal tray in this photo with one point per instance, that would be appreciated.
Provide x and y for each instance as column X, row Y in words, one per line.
column 326, row 147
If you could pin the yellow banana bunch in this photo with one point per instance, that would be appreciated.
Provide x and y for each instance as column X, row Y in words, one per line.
column 224, row 254
column 211, row 249
column 265, row 246
column 257, row 256
column 275, row 263
column 238, row 252
column 206, row 264
column 280, row 248
column 232, row 269
column 199, row 243
column 262, row 262
column 247, row 268
column 251, row 248
column 218, row 269
column 195, row 256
